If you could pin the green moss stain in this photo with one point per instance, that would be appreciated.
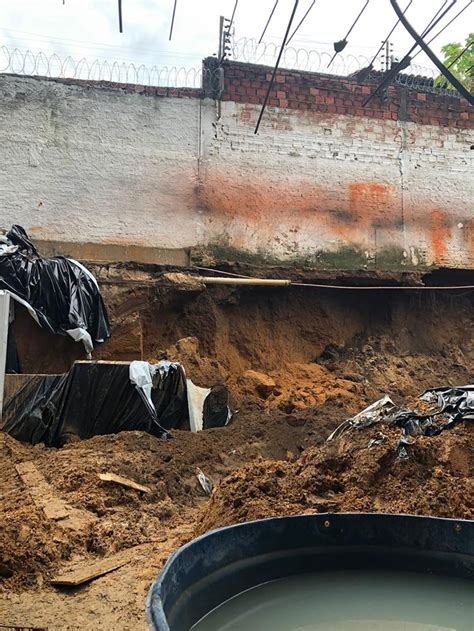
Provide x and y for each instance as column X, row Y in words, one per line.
column 345, row 258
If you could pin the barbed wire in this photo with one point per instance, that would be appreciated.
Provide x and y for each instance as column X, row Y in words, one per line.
column 39, row 63
column 46, row 64
column 249, row 50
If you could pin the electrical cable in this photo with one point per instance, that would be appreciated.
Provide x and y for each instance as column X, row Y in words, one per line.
column 172, row 18
column 385, row 287
column 268, row 22
column 406, row 60
column 343, row 287
column 120, row 16
column 444, row 27
column 464, row 50
column 233, row 15
column 340, row 45
column 454, row 81
column 219, row 271
column 61, row 41
column 270, row 85
column 388, row 37
column 301, row 21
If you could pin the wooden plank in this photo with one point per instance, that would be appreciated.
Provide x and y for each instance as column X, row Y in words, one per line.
column 118, row 479
column 88, row 571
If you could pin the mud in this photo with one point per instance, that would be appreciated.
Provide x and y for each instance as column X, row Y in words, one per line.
column 296, row 363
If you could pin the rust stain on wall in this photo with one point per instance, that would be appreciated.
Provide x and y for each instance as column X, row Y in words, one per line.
column 262, row 201
column 369, row 201
column 369, row 205
column 440, row 231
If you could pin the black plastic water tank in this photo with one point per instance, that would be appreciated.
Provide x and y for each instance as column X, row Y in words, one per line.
column 223, row 563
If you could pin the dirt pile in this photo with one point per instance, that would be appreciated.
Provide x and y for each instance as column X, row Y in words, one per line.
column 297, row 363
column 33, row 547
column 348, row 475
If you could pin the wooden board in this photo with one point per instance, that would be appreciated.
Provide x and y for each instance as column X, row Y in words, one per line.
column 118, row 479
column 88, row 571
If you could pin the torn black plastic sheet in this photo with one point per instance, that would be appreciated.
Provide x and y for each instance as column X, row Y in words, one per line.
column 206, row 407
column 59, row 293
column 447, row 407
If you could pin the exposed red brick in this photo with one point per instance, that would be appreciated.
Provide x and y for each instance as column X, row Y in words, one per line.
column 324, row 93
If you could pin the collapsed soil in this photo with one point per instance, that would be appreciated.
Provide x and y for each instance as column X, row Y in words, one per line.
column 346, row 475
column 296, row 366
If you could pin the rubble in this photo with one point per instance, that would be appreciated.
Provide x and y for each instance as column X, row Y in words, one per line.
column 295, row 368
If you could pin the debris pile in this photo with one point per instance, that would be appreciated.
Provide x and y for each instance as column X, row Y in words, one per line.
column 360, row 471
column 434, row 411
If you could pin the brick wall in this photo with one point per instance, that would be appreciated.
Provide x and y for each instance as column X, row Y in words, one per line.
column 113, row 168
column 307, row 91
column 332, row 184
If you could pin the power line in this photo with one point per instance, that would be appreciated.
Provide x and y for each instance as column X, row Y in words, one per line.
column 61, row 41
column 119, row 15
column 419, row 40
column 388, row 37
column 270, row 85
column 268, row 21
column 233, row 15
column 438, row 12
column 64, row 48
column 341, row 44
column 172, row 18
column 301, row 21
column 464, row 50
column 445, row 27
column 405, row 62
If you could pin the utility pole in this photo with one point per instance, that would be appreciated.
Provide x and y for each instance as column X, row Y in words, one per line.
column 221, row 37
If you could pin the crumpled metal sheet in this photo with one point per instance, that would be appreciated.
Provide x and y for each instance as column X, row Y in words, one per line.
column 378, row 411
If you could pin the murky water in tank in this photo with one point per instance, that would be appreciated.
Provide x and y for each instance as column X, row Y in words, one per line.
column 355, row 601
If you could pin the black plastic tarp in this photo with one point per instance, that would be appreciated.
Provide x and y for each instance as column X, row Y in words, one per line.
column 96, row 398
column 92, row 399
column 61, row 294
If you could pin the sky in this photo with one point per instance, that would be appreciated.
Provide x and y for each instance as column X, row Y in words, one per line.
column 89, row 28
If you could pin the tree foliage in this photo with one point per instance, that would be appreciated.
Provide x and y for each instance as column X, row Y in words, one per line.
column 462, row 66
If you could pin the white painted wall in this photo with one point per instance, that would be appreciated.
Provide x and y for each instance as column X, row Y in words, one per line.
column 92, row 164
column 98, row 165
column 311, row 181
